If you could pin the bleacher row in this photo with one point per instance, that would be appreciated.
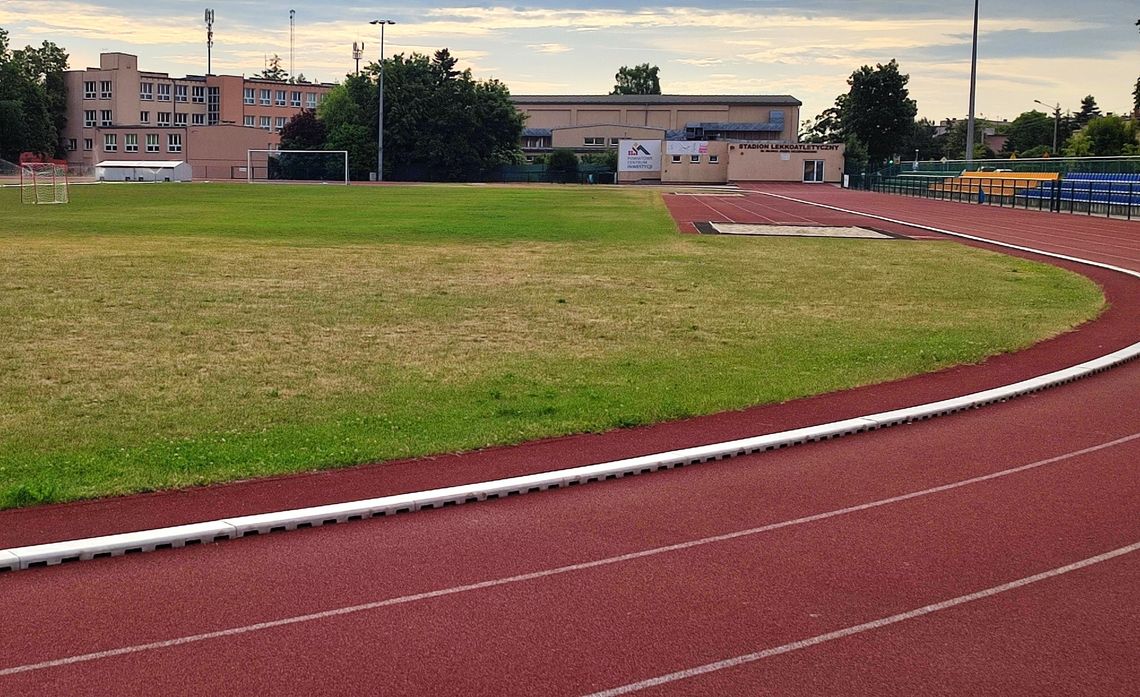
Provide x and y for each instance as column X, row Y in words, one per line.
column 1081, row 187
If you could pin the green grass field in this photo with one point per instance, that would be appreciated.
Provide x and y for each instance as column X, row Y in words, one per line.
column 163, row 336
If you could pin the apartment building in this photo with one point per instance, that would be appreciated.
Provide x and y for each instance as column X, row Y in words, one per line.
column 120, row 112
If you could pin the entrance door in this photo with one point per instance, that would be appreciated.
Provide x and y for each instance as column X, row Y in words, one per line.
column 813, row 171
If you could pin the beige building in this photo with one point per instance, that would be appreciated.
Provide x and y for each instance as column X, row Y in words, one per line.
column 722, row 162
column 588, row 124
column 119, row 112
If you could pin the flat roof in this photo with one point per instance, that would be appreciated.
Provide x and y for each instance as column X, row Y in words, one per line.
column 142, row 164
column 751, row 99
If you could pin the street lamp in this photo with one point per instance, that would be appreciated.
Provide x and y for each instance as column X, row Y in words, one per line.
column 380, row 119
column 1056, row 120
column 973, row 90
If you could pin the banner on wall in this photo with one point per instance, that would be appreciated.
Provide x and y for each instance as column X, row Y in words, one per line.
column 687, row 147
column 639, row 156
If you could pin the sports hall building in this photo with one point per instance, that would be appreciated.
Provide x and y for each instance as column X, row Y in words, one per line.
column 120, row 112
column 695, row 139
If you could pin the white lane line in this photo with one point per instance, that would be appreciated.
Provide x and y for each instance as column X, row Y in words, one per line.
column 656, row 551
column 963, row 235
column 865, row 627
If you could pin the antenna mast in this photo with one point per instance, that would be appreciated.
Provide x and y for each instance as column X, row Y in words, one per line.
column 292, row 40
column 357, row 54
column 209, row 42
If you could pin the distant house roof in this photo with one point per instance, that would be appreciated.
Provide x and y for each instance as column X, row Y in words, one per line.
column 750, row 99
column 537, row 132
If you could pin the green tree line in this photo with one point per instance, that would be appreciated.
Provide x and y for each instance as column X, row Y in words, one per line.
column 440, row 124
column 33, row 99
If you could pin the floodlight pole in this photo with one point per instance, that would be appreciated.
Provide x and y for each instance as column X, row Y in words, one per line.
column 380, row 116
column 1056, row 121
column 973, row 90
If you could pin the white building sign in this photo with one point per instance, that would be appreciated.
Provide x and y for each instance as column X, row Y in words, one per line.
column 687, row 147
column 639, row 156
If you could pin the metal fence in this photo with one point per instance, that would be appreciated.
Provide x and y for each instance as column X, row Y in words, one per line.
column 1105, row 186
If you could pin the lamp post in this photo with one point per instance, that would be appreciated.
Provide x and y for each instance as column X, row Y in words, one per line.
column 380, row 115
column 1056, row 121
column 973, row 90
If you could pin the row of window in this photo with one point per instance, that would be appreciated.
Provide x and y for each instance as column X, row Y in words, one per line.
column 131, row 142
column 267, row 122
column 600, row 142
column 105, row 89
column 278, row 98
column 695, row 159
column 164, row 118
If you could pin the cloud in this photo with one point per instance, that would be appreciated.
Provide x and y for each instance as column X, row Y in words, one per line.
column 549, row 48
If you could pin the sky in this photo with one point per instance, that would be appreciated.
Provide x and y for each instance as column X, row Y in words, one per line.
column 1056, row 51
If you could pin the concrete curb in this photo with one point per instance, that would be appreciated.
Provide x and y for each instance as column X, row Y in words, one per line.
column 244, row 526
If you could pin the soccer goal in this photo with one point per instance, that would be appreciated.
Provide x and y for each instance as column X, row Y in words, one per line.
column 42, row 182
column 330, row 166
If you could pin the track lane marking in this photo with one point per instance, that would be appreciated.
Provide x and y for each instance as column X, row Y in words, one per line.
column 865, row 627
column 535, row 575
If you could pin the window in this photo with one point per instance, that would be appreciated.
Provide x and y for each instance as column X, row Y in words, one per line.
column 280, row 101
column 180, row 93
column 173, row 142
column 214, row 105
column 714, row 159
column 265, row 122
column 105, row 117
column 615, row 141
column 105, row 89
column 265, row 100
column 311, row 100
column 198, row 94
column 152, row 142
column 146, row 91
column 249, row 99
column 72, row 144
column 695, row 159
column 198, row 119
column 164, row 118
column 180, row 119
column 89, row 90
column 595, row 141
column 131, row 142
column 676, row 159
column 88, row 144
column 110, row 142
column 250, row 120
column 163, row 92
column 280, row 123
column 295, row 99
column 144, row 117
column 89, row 119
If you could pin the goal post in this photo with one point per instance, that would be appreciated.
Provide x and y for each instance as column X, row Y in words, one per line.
column 43, row 183
column 297, row 165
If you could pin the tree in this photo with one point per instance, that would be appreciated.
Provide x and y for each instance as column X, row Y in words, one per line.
column 1105, row 136
column 954, row 144
column 878, row 109
column 640, row 79
column 273, row 71
column 1032, row 129
column 921, row 138
column 563, row 166
column 34, row 98
column 441, row 124
column 1089, row 111
column 303, row 132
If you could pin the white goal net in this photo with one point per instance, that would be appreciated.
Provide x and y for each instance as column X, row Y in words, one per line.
column 297, row 165
column 43, row 183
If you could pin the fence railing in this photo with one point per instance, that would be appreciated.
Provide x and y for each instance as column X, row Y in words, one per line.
column 1102, row 194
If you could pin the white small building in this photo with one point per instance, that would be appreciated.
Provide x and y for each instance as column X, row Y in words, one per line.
column 143, row 171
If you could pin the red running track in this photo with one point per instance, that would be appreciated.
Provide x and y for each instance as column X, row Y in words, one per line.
column 570, row 592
